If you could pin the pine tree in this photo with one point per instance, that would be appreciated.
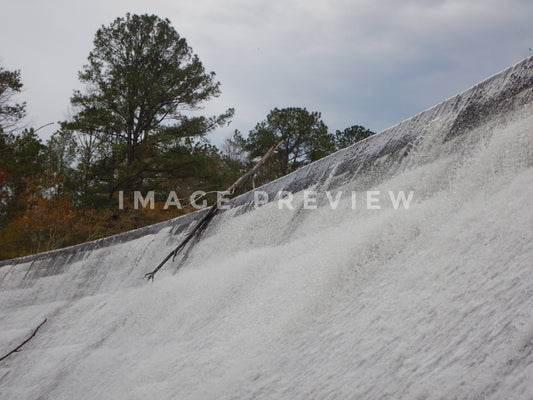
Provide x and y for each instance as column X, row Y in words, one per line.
column 142, row 78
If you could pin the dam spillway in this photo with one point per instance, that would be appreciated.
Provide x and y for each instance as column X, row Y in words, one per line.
column 429, row 301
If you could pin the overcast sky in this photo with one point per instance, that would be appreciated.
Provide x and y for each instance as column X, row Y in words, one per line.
column 367, row 62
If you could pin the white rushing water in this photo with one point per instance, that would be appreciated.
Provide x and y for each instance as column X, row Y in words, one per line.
column 430, row 302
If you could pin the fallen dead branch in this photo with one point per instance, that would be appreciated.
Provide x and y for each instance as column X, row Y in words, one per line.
column 202, row 224
column 17, row 349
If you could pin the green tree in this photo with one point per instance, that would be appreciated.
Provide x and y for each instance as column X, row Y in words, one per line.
column 10, row 113
column 141, row 79
column 305, row 137
column 62, row 152
column 23, row 159
column 351, row 135
column 63, row 161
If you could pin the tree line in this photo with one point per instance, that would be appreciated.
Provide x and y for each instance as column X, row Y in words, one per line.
column 135, row 128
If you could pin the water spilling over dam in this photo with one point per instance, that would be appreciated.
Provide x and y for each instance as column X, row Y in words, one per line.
column 430, row 301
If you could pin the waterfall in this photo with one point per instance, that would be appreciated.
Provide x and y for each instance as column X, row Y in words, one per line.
column 344, row 291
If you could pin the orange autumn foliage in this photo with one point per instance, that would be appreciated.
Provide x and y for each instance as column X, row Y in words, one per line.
column 50, row 221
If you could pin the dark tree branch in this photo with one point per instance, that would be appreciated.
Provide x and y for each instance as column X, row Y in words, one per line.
column 202, row 224
column 238, row 183
column 17, row 349
column 43, row 126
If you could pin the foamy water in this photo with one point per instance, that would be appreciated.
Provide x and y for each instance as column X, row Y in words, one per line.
column 435, row 301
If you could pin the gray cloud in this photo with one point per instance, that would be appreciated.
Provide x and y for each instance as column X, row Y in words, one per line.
column 358, row 62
